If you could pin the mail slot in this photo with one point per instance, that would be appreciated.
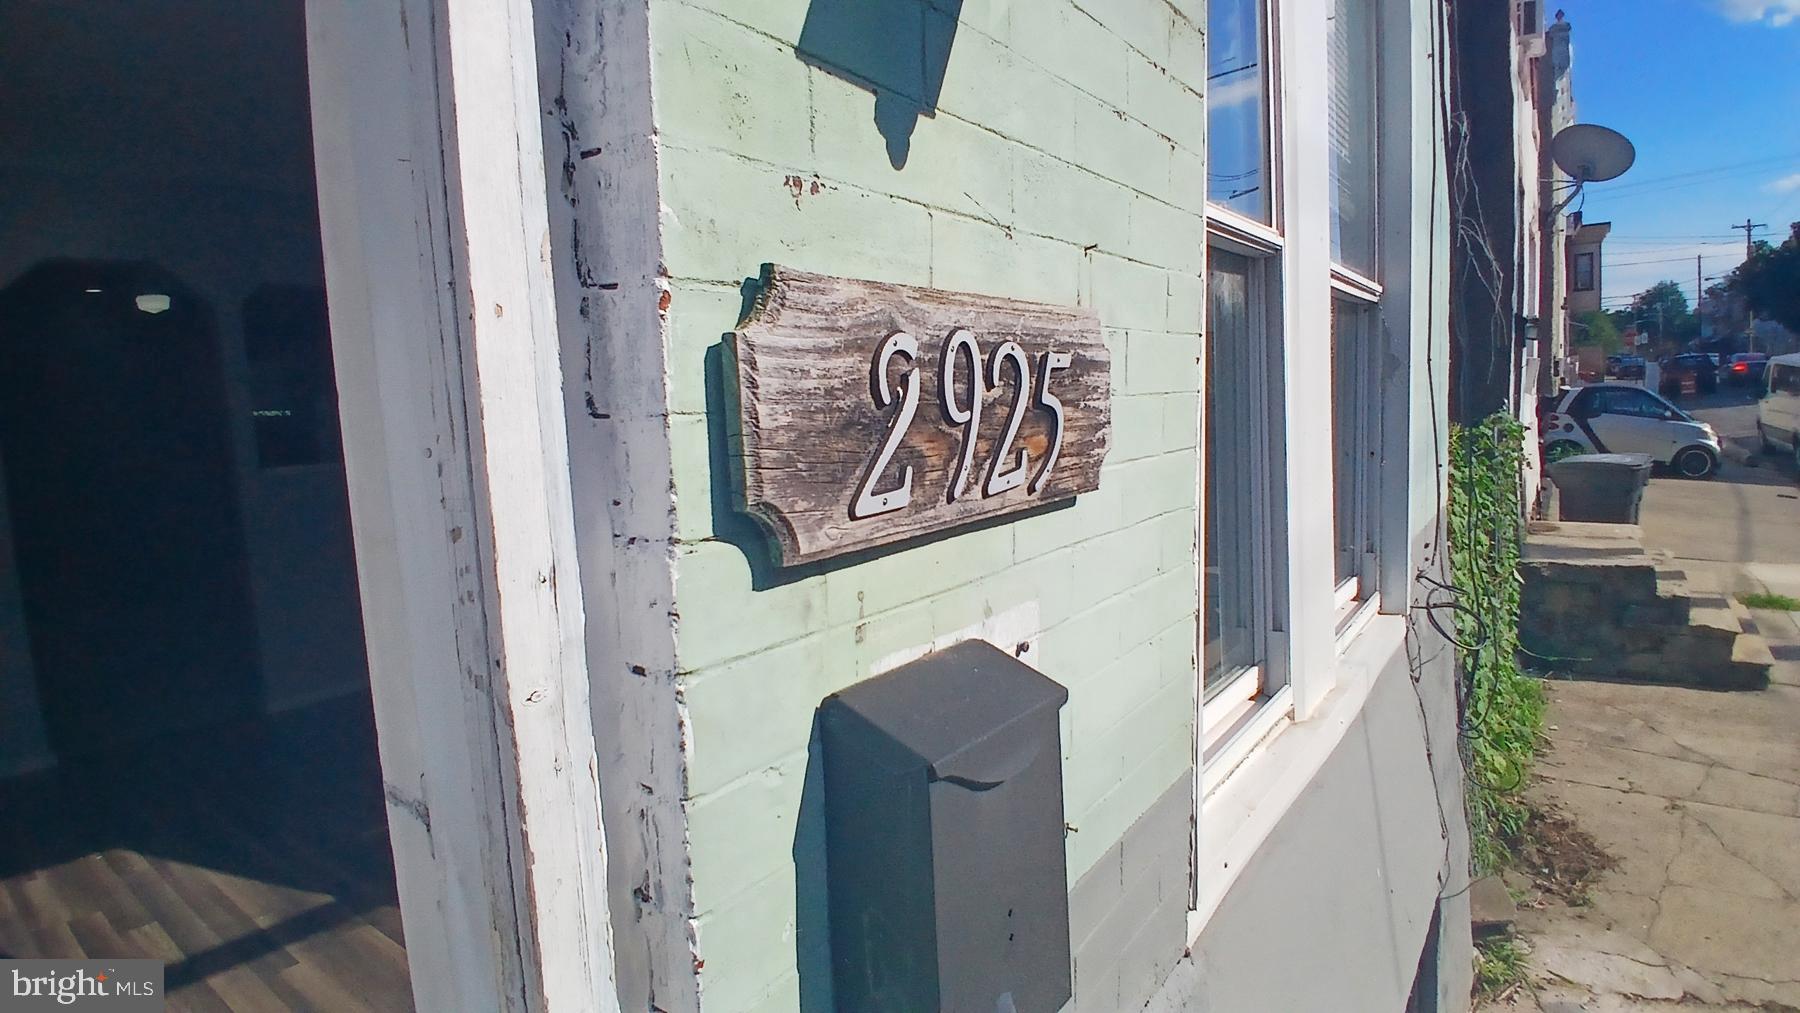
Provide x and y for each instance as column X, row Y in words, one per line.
column 944, row 830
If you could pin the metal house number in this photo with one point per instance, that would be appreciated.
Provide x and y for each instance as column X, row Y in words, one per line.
column 960, row 349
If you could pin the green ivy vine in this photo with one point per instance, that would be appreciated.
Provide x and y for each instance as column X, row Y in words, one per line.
column 1504, row 707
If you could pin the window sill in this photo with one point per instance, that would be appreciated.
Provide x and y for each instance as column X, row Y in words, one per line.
column 1353, row 618
column 1240, row 807
column 1247, row 726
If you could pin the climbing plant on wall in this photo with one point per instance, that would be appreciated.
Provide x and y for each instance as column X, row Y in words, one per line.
column 1503, row 708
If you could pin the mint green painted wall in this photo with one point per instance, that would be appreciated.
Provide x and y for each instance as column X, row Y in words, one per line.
column 1064, row 164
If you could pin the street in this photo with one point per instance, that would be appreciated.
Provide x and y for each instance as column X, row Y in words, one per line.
column 1743, row 525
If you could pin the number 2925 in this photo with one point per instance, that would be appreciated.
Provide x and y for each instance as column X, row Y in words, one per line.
column 961, row 351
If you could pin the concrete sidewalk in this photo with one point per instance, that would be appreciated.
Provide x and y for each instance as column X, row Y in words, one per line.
column 1695, row 793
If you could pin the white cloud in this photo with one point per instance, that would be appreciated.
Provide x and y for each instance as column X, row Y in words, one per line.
column 1774, row 12
column 1786, row 184
column 1245, row 89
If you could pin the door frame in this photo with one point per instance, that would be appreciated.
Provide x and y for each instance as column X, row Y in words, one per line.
column 432, row 206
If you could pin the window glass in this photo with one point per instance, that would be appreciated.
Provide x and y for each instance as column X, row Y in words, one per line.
column 1233, row 442
column 1350, row 60
column 1626, row 401
column 1584, row 272
column 1237, row 156
column 1353, row 434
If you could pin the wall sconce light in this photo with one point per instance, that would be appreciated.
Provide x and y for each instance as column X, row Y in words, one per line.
column 1527, row 327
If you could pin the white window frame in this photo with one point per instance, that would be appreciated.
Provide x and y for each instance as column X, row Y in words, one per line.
column 1223, row 727
column 1357, row 594
column 1225, row 719
column 1360, row 592
column 1332, row 640
column 1226, row 715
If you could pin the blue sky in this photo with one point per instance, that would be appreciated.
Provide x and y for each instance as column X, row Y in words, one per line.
column 1709, row 92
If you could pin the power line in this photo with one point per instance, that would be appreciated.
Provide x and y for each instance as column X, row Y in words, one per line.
column 1662, row 260
column 1727, row 168
column 1695, row 241
column 1635, row 236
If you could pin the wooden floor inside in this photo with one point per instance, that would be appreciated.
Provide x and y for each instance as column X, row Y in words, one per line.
column 253, row 860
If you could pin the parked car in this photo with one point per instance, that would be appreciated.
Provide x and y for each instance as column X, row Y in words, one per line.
column 1619, row 418
column 1677, row 368
column 1778, row 413
column 1745, row 369
column 1625, row 367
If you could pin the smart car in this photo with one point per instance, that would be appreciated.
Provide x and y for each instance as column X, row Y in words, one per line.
column 1619, row 418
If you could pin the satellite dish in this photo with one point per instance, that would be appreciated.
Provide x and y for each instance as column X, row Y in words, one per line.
column 1591, row 153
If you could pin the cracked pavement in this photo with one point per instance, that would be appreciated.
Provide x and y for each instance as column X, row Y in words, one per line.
column 1696, row 793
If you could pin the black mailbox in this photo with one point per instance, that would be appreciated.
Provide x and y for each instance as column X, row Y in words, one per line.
column 944, row 835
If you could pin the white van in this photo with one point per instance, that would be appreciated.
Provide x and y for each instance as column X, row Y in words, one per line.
column 1778, row 413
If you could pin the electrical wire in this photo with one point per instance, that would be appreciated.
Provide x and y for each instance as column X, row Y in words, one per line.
column 1444, row 80
column 1703, row 175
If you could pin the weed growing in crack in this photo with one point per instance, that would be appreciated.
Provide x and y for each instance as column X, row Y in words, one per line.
column 1770, row 600
column 1499, row 966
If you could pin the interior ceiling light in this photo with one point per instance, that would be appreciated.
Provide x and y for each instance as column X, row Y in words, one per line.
column 152, row 302
column 91, row 291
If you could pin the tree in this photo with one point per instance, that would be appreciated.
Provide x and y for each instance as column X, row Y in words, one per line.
column 1596, row 328
column 1770, row 280
column 1662, row 312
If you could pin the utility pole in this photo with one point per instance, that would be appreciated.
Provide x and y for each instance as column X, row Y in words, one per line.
column 1699, row 299
column 1750, row 228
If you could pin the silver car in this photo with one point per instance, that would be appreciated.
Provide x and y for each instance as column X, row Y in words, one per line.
column 1619, row 418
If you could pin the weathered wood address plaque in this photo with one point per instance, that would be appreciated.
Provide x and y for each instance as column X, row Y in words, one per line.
column 871, row 413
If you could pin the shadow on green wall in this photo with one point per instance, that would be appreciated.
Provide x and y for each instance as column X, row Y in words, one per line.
column 812, row 897
column 898, row 49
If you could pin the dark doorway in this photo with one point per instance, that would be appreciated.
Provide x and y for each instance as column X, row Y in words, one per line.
column 188, row 761
column 113, row 426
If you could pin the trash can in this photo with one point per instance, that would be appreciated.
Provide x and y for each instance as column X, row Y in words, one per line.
column 944, row 837
column 1601, row 487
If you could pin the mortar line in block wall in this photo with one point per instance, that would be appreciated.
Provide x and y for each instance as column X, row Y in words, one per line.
column 1048, row 69
column 693, row 676
column 975, row 219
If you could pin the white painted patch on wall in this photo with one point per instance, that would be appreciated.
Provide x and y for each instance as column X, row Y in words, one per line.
column 1015, row 631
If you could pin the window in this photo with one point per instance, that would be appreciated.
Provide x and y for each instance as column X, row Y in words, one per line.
column 1296, row 344
column 1356, row 444
column 1243, row 523
column 1355, row 381
column 1235, row 449
column 1237, row 121
column 1584, row 272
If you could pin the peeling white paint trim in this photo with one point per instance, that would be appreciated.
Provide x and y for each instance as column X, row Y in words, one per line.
column 602, row 162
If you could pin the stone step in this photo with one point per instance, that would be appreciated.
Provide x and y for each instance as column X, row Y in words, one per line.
column 1491, row 907
column 1746, row 621
column 1714, row 614
column 1751, row 651
column 1596, row 603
